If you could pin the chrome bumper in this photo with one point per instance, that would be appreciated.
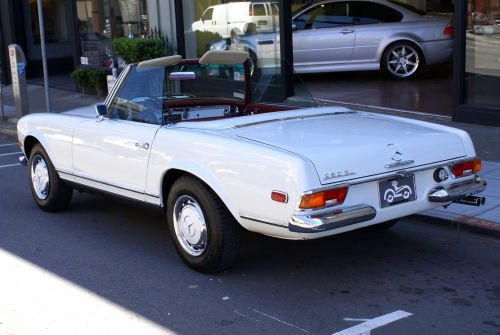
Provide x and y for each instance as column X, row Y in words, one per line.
column 330, row 220
column 458, row 190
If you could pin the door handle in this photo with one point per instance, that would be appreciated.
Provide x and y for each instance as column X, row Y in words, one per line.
column 142, row 145
column 347, row 31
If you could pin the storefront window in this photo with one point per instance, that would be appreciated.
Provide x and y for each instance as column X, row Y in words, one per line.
column 55, row 22
column 101, row 21
column 482, row 68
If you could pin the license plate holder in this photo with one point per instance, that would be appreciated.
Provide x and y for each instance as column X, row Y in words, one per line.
column 396, row 190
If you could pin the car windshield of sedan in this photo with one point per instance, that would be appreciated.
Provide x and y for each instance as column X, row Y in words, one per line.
column 193, row 91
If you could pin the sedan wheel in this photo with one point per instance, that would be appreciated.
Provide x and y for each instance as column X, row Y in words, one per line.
column 205, row 234
column 401, row 60
column 49, row 191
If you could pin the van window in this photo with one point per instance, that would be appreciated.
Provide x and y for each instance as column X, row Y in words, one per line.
column 259, row 10
column 274, row 9
column 207, row 16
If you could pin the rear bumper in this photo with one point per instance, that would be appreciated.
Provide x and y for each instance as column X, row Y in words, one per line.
column 458, row 190
column 331, row 220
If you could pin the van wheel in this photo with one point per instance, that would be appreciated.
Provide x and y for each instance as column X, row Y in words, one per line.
column 235, row 36
column 50, row 192
column 255, row 71
column 205, row 234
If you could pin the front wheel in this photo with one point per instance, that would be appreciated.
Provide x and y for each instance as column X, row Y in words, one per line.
column 205, row 234
column 402, row 60
column 50, row 192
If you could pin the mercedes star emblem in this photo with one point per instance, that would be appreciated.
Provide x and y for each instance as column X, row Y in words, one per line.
column 395, row 152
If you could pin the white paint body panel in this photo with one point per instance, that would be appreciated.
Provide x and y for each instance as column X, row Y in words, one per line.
column 243, row 159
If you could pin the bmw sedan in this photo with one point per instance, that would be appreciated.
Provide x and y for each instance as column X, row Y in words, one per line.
column 334, row 36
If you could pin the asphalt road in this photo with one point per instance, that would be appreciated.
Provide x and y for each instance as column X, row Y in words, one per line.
column 105, row 268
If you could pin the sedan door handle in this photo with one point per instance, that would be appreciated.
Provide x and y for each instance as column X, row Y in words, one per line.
column 347, row 31
column 142, row 145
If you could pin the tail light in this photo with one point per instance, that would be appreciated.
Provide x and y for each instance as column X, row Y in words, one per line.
column 324, row 198
column 466, row 168
column 250, row 10
column 448, row 30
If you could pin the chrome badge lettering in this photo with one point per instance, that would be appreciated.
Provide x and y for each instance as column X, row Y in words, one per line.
column 338, row 174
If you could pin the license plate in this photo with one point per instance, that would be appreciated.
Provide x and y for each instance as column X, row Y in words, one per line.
column 396, row 191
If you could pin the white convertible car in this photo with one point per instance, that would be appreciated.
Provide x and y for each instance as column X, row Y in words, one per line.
column 216, row 152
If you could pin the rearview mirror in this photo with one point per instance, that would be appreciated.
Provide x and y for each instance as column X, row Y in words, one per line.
column 182, row 76
column 101, row 111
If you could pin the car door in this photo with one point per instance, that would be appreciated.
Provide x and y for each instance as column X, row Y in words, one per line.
column 323, row 36
column 374, row 23
column 113, row 154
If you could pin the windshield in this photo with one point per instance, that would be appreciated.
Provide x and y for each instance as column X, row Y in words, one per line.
column 192, row 91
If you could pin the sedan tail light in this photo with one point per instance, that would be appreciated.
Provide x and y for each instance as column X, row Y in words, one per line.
column 324, row 198
column 466, row 168
column 448, row 30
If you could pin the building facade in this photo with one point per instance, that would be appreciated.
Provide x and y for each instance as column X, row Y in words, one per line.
column 80, row 33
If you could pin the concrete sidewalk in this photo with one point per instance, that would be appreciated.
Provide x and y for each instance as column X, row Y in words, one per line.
column 484, row 220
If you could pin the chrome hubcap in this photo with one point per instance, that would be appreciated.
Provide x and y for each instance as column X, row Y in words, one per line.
column 190, row 226
column 40, row 177
column 402, row 61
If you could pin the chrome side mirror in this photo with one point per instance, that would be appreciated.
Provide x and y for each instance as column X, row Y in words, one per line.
column 101, row 111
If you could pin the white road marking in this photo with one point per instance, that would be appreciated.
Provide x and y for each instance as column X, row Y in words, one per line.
column 2, row 166
column 12, row 153
column 4, row 145
column 286, row 323
column 365, row 327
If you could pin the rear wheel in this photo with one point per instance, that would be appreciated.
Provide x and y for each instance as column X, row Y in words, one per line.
column 204, row 232
column 381, row 226
column 402, row 60
column 50, row 192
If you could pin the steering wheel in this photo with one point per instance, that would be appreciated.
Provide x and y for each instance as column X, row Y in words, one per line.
column 153, row 113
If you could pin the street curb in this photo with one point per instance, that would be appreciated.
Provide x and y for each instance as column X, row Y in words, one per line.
column 461, row 224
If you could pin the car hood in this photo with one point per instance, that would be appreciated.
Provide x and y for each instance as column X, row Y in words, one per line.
column 356, row 145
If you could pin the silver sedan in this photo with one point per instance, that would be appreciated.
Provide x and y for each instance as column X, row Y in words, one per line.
column 334, row 36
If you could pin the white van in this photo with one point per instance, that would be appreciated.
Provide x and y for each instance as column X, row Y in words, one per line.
column 238, row 18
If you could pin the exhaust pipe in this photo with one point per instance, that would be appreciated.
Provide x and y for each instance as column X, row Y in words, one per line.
column 471, row 201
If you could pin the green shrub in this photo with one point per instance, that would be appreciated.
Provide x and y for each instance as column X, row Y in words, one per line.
column 98, row 80
column 203, row 38
column 134, row 50
column 82, row 77
column 85, row 77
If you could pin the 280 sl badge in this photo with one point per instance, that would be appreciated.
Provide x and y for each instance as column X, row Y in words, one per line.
column 338, row 174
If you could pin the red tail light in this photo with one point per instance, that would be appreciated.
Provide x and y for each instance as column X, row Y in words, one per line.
column 448, row 30
column 250, row 11
column 324, row 198
column 466, row 168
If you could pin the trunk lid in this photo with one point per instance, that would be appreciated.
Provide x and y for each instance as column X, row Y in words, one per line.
column 357, row 145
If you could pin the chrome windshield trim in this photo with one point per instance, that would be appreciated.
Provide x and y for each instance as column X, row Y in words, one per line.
column 272, row 223
column 457, row 190
column 290, row 118
column 334, row 219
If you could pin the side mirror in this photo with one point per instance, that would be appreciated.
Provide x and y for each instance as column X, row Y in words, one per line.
column 182, row 76
column 101, row 111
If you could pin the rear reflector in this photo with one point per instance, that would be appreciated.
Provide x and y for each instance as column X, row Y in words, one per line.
column 466, row 168
column 279, row 196
column 448, row 30
column 324, row 198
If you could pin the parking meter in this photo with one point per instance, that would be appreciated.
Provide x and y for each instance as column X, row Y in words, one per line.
column 18, row 73
column 1, row 93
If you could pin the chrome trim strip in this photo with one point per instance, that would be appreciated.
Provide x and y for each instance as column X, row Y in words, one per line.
column 457, row 190
column 157, row 196
column 290, row 118
column 388, row 166
column 272, row 223
column 331, row 220
column 102, row 183
column 116, row 87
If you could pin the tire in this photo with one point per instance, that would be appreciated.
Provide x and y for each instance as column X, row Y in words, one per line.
column 381, row 226
column 214, row 243
column 402, row 60
column 255, row 71
column 50, row 192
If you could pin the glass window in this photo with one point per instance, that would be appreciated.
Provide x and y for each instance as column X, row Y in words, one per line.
column 482, row 55
column 368, row 13
column 101, row 21
column 327, row 15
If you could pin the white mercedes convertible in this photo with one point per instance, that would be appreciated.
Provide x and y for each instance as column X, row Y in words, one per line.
column 217, row 153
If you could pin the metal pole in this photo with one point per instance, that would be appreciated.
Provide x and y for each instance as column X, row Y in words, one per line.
column 44, row 55
column 1, row 93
